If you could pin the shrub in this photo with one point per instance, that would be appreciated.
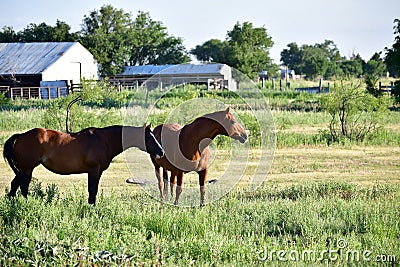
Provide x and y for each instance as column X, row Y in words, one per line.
column 396, row 92
column 355, row 113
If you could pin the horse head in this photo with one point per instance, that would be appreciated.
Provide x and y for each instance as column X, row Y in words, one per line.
column 231, row 127
column 153, row 147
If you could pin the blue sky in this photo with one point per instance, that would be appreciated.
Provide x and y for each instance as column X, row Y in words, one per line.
column 360, row 26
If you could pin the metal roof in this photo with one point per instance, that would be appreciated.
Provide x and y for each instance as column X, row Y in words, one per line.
column 189, row 69
column 145, row 69
column 30, row 58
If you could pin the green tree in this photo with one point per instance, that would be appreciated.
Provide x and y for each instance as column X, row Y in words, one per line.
column 375, row 66
column 249, row 49
column 148, row 42
column 104, row 33
column 320, row 59
column 245, row 48
column 396, row 92
column 315, row 62
column 171, row 51
column 371, row 82
column 62, row 33
column 39, row 33
column 117, row 40
column 330, row 50
column 355, row 113
column 392, row 56
column 292, row 57
column 333, row 70
column 8, row 35
column 47, row 33
column 373, row 70
column 352, row 67
column 213, row 50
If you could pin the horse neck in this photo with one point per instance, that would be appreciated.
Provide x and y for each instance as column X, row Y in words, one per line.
column 202, row 130
column 133, row 137
column 113, row 137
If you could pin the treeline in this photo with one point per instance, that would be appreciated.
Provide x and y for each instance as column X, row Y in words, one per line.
column 324, row 59
column 117, row 39
column 114, row 37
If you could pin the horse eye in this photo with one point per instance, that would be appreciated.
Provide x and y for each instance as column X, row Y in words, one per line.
column 233, row 122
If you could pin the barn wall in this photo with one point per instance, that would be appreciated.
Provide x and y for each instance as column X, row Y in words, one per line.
column 75, row 62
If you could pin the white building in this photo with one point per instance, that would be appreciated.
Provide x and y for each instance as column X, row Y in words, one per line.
column 34, row 64
column 213, row 75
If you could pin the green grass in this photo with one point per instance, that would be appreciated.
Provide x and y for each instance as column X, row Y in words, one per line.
column 294, row 128
column 315, row 197
column 132, row 229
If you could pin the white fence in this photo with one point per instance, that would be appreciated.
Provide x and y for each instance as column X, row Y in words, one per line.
column 35, row 92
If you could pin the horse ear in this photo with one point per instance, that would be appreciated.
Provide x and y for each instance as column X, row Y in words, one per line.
column 148, row 126
column 228, row 109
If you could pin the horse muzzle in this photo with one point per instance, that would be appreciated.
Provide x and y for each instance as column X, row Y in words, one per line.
column 160, row 155
column 242, row 138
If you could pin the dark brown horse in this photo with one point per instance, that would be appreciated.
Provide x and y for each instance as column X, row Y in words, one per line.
column 186, row 148
column 88, row 151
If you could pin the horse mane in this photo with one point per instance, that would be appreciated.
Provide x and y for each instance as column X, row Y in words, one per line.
column 83, row 131
column 92, row 129
column 208, row 116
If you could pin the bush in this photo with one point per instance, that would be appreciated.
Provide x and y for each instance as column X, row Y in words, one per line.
column 355, row 113
column 371, row 81
column 5, row 101
column 396, row 92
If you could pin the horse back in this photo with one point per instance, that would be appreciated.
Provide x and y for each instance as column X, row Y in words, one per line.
column 167, row 128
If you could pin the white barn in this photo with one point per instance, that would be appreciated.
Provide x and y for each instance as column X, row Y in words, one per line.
column 213, row 75
column 35, row 64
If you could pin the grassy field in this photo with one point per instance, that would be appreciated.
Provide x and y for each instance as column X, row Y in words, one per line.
column 320, row 205
column 314, row 199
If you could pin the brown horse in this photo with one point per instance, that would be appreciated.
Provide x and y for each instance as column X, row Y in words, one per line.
column 186, row 148
column 88, row 151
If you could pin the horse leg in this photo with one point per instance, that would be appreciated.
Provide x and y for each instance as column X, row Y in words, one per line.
column 202, row 182
column 178, row 187
column 165, row 177
column 14, row 186
column 93, row 184
column 172, row 181
column 160, row 182
column 15, row 183
column 25, row 180
column 21, row 180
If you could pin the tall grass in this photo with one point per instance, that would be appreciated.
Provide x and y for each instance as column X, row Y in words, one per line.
column 291, row 110
column 57, row 228
column 132, row 229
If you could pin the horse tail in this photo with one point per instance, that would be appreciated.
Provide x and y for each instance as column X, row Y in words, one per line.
column 9, row 153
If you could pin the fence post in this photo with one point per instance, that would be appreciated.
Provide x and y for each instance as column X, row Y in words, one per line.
column 48, row 90
column 320, row 85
